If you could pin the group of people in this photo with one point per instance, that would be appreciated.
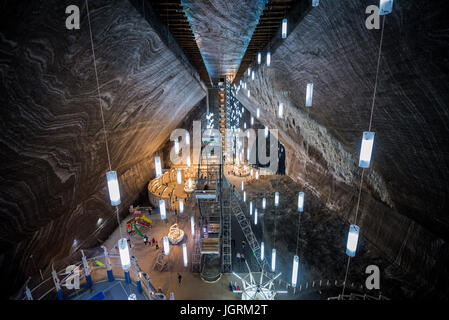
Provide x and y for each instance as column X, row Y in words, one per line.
column 153, row 242
column 234, row 286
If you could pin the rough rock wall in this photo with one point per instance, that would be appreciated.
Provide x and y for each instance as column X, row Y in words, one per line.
column 53, row 185
column 403, row 208
column 223, row 29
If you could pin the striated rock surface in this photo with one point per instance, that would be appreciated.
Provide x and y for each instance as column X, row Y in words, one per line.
column 223, row 29
column 403, row 210
column 52, row 178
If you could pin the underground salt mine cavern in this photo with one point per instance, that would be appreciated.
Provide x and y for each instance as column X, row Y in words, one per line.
column 224, row 150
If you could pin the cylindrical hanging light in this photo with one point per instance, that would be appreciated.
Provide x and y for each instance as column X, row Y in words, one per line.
column 187, row 138
column 178, row 176
column 366, row 149
column 268, row 58
column 192, row 225
column 252, row 120
column 273, row 260
column 315, row 3
column 157, row 162
column 184, row 254
column 255, row 216
column 266, row 132
column 162, row 209
column 252, row 75
column 124, row 253
column 276, row 198
column 244, row 196
column 264, row 203
column 243, row 185
column 259, row 58
column 257, row 174
column 249, row 71
column 385, row 7
column 249, row 93
column 309, row 94
column 113, row 188
column 250, row 208
column 295, row 271
column 281, row 110
column 284, row 28
column 188, row 162
column 301, row 201
column 190, row 183
column 181, row 205
column 257, row 113
column 262, row 251
column 353, row 238
column 166, row 245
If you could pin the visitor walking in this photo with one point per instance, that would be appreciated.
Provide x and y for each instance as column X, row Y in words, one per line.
column 179, row 278
column 145, row 240
column 152, row 241
column 157, row 246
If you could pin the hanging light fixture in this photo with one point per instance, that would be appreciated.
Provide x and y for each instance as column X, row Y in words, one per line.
column 184, row 254
column 166, row 245
column 244, row 196
column 113, row 188
column 162, row 209
column 124, row 253
column 353, row 238
column 315, row 3
column 266, row 132
column 257, row 174
column 157, row 164
column 190, row 183
column 281, row 110
column 385, row 7
column 192, row 225
column 295, row 271
column 252, row 75
column 273, row 260
column 257, row 113
column 243, row 185
column 276, row 199
column 188, row 162
column 255, row 216
column 252, row 120
column 249, row 71
column 284, row 28
column 262, row 251
column 249, row 93
column 250, row 208
column 268, row 58
column 366, row 149
column 301, row 201
column 264, row 203
column 309, row 94
column 181, row 205
column 259, row 58
column 244, row 125
column 187, row 138
column 178, row 176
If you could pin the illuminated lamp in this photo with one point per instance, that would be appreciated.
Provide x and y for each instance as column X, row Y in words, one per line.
column 181, row 205
column 273, row 260
column 301, row 201
column 184, row 254
column 309, row 94
column 281, row 110
column 262, row 251
column 385, row 7
column 162, row 209
column 284, row 28
column 166, row 245
column 353, row 238
column 124, row 253
column 268, row 58
column 276, row 199
column 295, row 271
column 113, row 188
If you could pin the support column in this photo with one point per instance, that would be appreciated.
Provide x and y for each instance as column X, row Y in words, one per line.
column 59, row 292
column 108, row 265
column 127, row 278
column 139, row 283
column 86, row 270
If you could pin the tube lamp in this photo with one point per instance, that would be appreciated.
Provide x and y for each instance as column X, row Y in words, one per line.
column 184, row 254
column 309, row 94
column 276, row 199
column 385, row 7
column 301, row 201
column 262, row 251
column 124, row 253
column 284, row 28
column 315, row 3
column 268, row 58
column 353, row 238
column 264, row 203
column 295, row 271
column 157, row 162
column 181, row 205
column 178, row 176
column 250, row 208
column 281, row 110
column 192, row 225
column 273, row 260
column 113, row 188
column 259, row 58
column 166, row 245
column 366, row 149
column 162, row 209
column 255, row 216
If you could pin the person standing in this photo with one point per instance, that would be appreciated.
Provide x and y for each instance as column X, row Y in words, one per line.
column 152, row 241
column 157, row 246
column 179, row 278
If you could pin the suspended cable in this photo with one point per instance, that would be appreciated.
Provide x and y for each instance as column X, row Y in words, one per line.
column 369, row 129
column 101, row 107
